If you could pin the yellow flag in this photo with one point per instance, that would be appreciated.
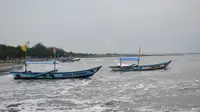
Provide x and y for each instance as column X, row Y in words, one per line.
column 139, row 52
column 24, row 47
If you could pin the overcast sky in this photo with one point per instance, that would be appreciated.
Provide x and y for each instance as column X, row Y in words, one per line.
column 100, row 26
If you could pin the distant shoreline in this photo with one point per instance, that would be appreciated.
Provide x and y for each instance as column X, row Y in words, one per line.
column 135, row 55
column 96, row 56
column 41, row 51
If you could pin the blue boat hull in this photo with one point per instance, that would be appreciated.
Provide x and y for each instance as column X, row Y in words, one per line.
column 141, row 67
column 55, row 75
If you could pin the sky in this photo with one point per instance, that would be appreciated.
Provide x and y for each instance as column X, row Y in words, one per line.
column 103, row 26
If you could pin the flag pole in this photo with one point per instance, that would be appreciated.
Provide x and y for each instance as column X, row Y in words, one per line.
column 139, row 56
column 25, row 47
column 54, row 50
column 138, row 62
column 54, row 62
column 25, row 62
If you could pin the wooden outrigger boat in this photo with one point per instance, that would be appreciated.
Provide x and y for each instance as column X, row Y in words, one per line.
column 53, row 74
column 135, row 67
column 138, row 67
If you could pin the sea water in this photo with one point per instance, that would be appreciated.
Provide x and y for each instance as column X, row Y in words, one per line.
column 174, row 89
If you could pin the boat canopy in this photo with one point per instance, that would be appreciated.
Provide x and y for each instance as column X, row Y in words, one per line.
column 129, row 59
column 39, row 62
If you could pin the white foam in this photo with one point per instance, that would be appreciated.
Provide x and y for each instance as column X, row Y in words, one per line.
column 115, row 61
column 25, row 105
column 96, row 108
column 147, row 110
column 150, row 86
column 123, row 64
column 80, row 102
column 99, row 60
column 139, row 86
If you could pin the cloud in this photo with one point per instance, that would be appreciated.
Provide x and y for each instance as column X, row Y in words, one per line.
column 106, row 25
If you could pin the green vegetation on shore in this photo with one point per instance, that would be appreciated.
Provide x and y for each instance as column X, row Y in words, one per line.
column 37, row 51
column 41, row 51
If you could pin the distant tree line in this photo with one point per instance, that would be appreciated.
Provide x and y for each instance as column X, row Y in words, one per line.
column 41, row 51
column 37, row 51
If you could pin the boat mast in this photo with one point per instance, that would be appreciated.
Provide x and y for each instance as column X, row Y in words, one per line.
column 120, row 63
column 25, row 62
column 139, row 56
column 24, row 48
column 54, row 51
column 25, row 69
